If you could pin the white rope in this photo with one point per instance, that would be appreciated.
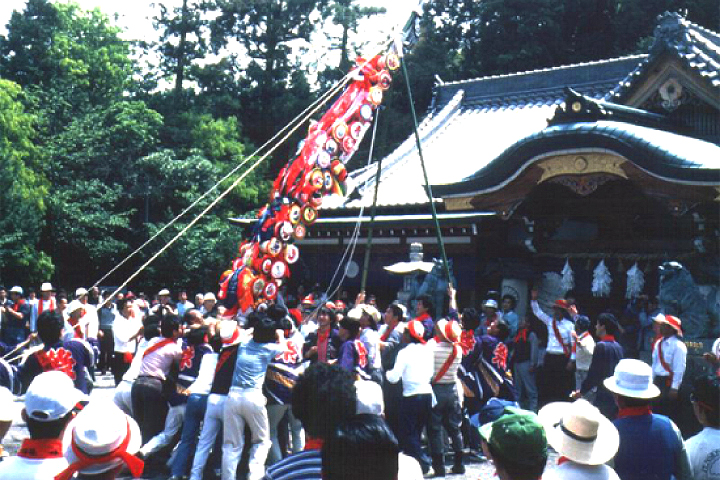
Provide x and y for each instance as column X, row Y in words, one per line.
column 322, row 99
column 356, row 233
column 340, row 84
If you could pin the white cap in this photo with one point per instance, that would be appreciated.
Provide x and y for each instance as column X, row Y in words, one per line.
column 74, row 305
column 209, row 296
column 7, row 408
column 16, row 289
column 46, row 287
column 80, row 292
column 164, row 291
column 99, row 430
column 490, row 303
column 51, row 396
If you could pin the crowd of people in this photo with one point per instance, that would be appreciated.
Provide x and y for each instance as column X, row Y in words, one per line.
column 312, row 387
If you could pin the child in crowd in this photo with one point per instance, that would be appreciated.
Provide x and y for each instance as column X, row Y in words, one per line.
column 583, row 345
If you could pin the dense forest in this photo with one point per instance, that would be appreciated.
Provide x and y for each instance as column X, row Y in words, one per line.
column 104, row 140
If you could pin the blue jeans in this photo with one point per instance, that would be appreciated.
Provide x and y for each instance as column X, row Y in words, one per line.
column 194, row 414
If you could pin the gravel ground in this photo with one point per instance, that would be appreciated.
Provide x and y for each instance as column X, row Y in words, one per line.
column 475, row 469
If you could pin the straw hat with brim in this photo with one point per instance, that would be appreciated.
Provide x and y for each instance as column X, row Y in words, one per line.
column 674, row 322
column 100, row 430
column 580, row 432
column 46, row 287
column 632, row 378
column 164, row 292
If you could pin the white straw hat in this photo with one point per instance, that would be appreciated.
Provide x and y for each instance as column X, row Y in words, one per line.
column 106, row 435
column 632, row 378
column 46, row 287
column 580, row 432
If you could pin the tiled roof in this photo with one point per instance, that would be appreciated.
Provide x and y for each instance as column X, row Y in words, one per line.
column 695, row 46
column 661, row 153
column 473, row 122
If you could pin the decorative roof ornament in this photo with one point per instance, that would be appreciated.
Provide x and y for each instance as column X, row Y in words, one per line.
column 671, row 32
column 601, row 280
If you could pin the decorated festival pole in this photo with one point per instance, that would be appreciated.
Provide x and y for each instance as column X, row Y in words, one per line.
column 438, row 233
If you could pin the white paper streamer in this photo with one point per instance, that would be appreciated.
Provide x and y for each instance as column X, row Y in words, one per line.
column 635, row 282
column 601, row 280
column 568, row 277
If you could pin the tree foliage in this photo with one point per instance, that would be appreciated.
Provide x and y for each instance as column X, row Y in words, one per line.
column 23, row 191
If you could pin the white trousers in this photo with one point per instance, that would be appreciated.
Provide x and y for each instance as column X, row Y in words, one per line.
column 122, row 397
column 245, row 406
column 212, row 423
column 173, row 424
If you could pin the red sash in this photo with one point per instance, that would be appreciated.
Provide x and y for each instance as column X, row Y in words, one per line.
column 387, row 333
column 448, row 363
column 607, row 338
column 157, row 346
column 223, row 358
column 558, row 337
column 77, row 328
column 19, row 304
column 362, row 353
column 41, row 306
column 664, row 364
column 577, row 339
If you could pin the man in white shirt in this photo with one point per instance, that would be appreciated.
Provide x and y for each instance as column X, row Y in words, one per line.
column 46, row 302
column 127, row 330
column 414, row 365
column 704, row 448
column 669, row 356
column 559, row 358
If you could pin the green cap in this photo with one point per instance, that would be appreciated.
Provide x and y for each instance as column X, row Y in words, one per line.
column 517, row 435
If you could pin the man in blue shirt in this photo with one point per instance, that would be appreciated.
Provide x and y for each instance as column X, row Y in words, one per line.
column 246, row 403
column 651, row 446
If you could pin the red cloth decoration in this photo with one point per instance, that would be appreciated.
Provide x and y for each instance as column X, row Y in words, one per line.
column 634, row 411
column 41, row 449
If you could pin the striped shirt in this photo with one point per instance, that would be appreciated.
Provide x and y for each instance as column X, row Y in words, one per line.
column 443, row 350
column 306, row 465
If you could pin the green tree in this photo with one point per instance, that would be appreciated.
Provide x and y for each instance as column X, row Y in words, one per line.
column 182, row 39
column 23, row 191
column 346, row 14
column 67, row 59
column 267, row 29
column 96, row 186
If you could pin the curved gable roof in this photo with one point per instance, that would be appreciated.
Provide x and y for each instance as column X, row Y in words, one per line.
column 665, row 155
